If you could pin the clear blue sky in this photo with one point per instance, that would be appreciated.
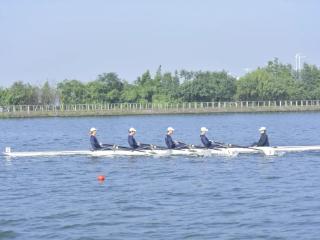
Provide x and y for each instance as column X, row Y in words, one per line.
column 58, row 39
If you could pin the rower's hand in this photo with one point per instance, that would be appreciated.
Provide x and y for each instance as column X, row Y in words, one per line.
column 176, row 142
column 138, row 143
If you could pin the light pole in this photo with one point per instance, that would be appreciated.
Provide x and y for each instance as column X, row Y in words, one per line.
column 298, row 57
column 300, row 62
column 247, row 70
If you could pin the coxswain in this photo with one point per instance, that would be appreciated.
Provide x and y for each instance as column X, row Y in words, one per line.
column 95, row 145
column 263, row 141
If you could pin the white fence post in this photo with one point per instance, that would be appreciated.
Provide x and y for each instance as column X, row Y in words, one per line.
column 29, row 109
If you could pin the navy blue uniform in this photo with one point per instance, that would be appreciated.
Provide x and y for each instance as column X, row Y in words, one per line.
column 95, row 145
column 132, row 142
column 263, row 141
column 169, row 142
column 205, row 141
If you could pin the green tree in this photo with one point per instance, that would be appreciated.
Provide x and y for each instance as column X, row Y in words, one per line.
column 3, row 96
column 47, row 94
column 96, row 92
column 22, row 94
column 209, row 86
column 146, row 87
column 310, row 77
column 111, row 80
column 273, row 82
column 168, row 90
column 130, row 93
column 106, row 88
column 72, row 92
column 187, row 75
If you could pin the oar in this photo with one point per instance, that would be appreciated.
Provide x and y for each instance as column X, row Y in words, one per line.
column 184, row 146
column 128, row 148
column 236, row 146
column 146, row 146
column 205, row 148
column 200, row 147
column 108, row 146
column 225, row 145
column 156, row 147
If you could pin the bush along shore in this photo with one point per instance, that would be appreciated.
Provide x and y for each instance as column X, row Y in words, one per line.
column 273, row 82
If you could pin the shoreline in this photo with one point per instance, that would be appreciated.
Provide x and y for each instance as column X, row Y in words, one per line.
column 132, row 112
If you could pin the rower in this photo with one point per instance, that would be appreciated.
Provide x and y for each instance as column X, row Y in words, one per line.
column 131, row 140
column 205, row 141
column 95, row 145
column 134, row 144
column 263, row 141
column 170, row 143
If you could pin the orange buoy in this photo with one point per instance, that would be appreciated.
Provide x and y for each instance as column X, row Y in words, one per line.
column 101, row 178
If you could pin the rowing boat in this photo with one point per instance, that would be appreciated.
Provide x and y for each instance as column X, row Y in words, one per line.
column 111, row 153
column 228, row 151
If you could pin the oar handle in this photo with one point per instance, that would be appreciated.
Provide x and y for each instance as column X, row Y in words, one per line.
column 123, row 147
column 237, row 146
column 145, row 145
column 127, row 148
column 155, row 147
column 218, row 142
column 107, row 145
column 182, row 143
column 225, row 145
column 184, row 146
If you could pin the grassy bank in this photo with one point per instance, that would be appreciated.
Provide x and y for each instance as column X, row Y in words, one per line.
column 154, row 109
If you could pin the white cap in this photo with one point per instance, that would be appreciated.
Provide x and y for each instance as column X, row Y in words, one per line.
column 262, row 129
column 170, row 129
column 93, row 129
column 204, row 129
column 132, row 130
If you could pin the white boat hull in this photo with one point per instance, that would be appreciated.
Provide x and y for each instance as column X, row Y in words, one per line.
column 187, row 152
column 111, row 153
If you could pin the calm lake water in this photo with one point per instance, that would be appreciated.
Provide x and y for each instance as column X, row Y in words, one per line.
column 246, row 197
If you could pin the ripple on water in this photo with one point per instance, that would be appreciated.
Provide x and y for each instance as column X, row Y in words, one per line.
column 8, row 234
column 245, row 197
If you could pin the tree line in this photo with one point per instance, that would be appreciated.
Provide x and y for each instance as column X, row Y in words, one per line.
column 275, row 81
